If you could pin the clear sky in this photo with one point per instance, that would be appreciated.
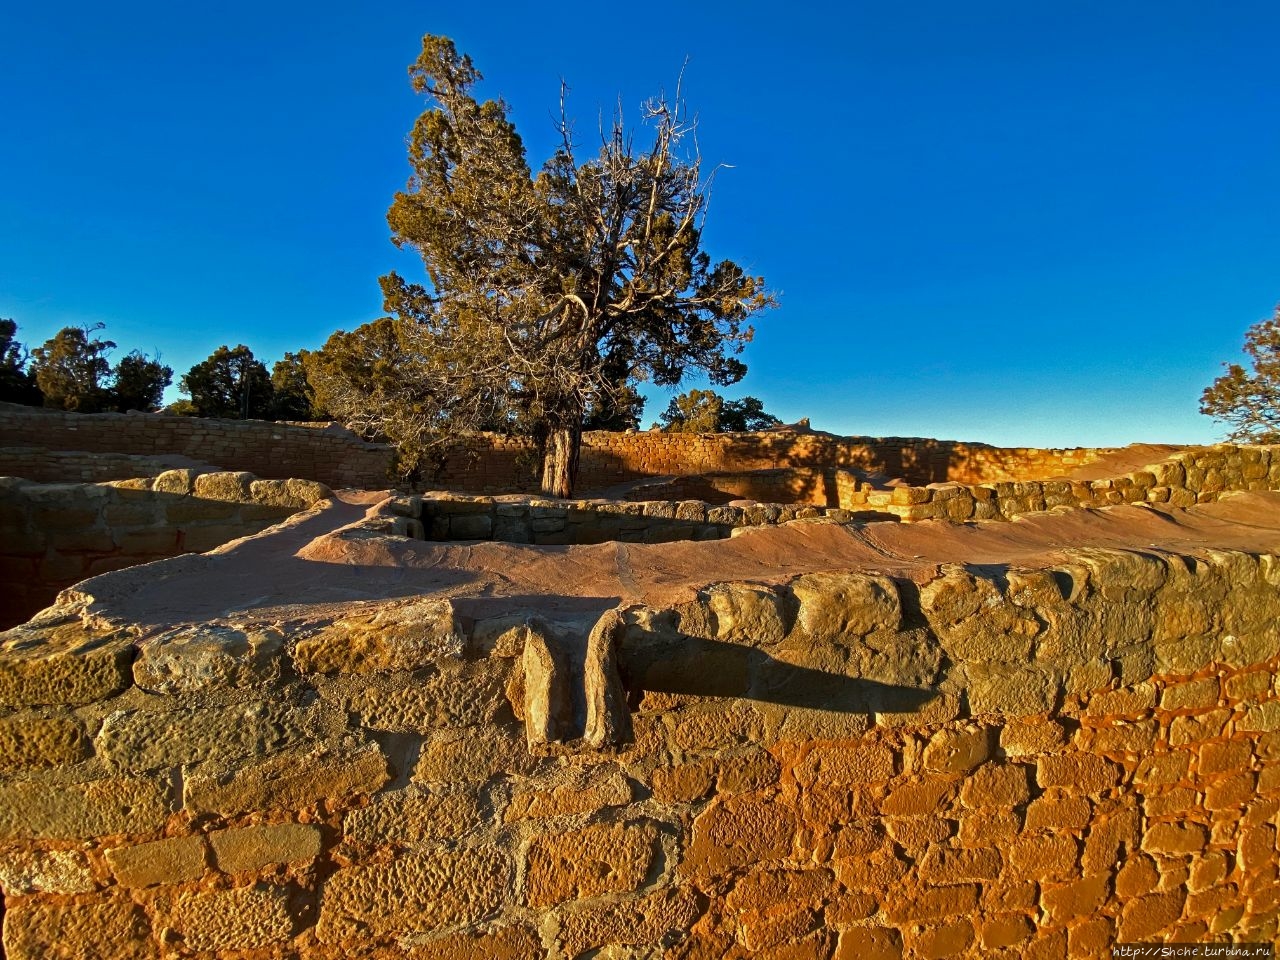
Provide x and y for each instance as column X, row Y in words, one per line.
column 1041, row 224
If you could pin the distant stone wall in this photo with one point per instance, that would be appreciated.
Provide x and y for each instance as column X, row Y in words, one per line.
column 55, row 535
column 325, row 453
column 75, row 466
column 1184, row 479
column 846, row 765
column 486, row 463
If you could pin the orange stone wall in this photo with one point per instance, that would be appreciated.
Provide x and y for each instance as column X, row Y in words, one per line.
column 966, row 763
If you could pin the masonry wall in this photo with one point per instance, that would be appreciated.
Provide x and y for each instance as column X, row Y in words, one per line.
column 978, row 763
column 1184, row 479
column 55, row 535
column 325, row 453
column 485, row 463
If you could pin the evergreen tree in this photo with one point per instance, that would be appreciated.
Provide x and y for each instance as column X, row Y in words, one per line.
column 230, row 384
column 72, row 370
column 705, row 411
column 550, row 293
column 139, row 382
column 1250, row 401
column 17, row 383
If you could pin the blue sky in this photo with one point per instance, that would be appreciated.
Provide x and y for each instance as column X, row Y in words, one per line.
column 1021, row 223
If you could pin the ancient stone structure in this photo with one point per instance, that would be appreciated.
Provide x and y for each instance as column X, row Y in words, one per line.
column 55, row 535
column 378, row 730
column 50, row 445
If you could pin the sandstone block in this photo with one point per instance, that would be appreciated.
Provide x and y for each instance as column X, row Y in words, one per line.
column 40, row 929
column 1191, row 695
column 473, row 755
column 1142, row 918
column 997, row 786
column 162, row 861
column 575, row 865
column 421, row 892
column 736, row 831
column 139, row 740
column 1230, row 757
column 456, row 695
column 717, row 727
column 413, row 816
column 179, row 482
column 25, row 870
column 228, row 485
column 924, row 797
column 1005, row 931
column 955, row 752
column 1260, row 718
column 244, row 918
column 81, row 810
column 1079, row 773
column 63, row 666
column 242, row 849
column 869, row 943
column 583, row 792
column 400, row 636
column 1057, row 813
column 915, row 834
column 931, row 903
column 287, row 781
column 683, row 783
column 28, row 743
column 504, row 943
column 1044, row 857
column 1174, row 838
column 1021, row 738
column 747, row 613
column 1137, row 876
column 1080, row 898
column 1184, row 730
column 848, row 765
column 974, row 622
column 944, row 865
column 1001, row 688
column 639, row 921
column 840, row 607
column 943, row 940
column 208, row 657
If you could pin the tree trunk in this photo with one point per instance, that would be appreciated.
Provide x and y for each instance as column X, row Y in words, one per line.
column 560, row 463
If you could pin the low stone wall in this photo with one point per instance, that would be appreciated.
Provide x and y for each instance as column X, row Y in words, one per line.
column 326, row 453
column 55, row 535
column 74, row 466
column 450, row 517
column 1186, row 478
column 1022, row 763
column 487, row 463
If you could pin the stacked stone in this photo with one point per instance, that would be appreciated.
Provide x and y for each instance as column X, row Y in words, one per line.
column 1185, row 479
column 842, row 766
column 329, row 455
column 55, row 535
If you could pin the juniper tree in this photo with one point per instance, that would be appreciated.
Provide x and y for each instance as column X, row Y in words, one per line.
column 230, row 383
column 1250, row 401
column 72, row 369
column 554, row 291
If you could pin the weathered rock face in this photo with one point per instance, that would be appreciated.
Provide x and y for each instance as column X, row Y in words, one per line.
column 971, row 762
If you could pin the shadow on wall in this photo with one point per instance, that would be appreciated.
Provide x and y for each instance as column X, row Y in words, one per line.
column 53, row 536
column 694, row 666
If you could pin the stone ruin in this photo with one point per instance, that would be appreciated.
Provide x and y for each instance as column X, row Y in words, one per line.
column 1016, row 713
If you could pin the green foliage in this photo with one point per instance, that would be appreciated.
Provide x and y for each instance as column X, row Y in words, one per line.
column 705, row 411
column 294, row 397
column 71, row 370
column 139, row 382
column 552, row 295
column 389, row 381
column 230, row 384
column 1250, row 401
column 17, row 383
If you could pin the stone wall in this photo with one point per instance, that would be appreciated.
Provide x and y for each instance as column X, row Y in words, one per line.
column 485, row 463
column 326, row 453
column 973, row 762
column 1187, row 478
column 75, row 466
column 55, row 535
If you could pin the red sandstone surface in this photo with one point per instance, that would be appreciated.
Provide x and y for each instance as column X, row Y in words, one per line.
column 306, row 567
